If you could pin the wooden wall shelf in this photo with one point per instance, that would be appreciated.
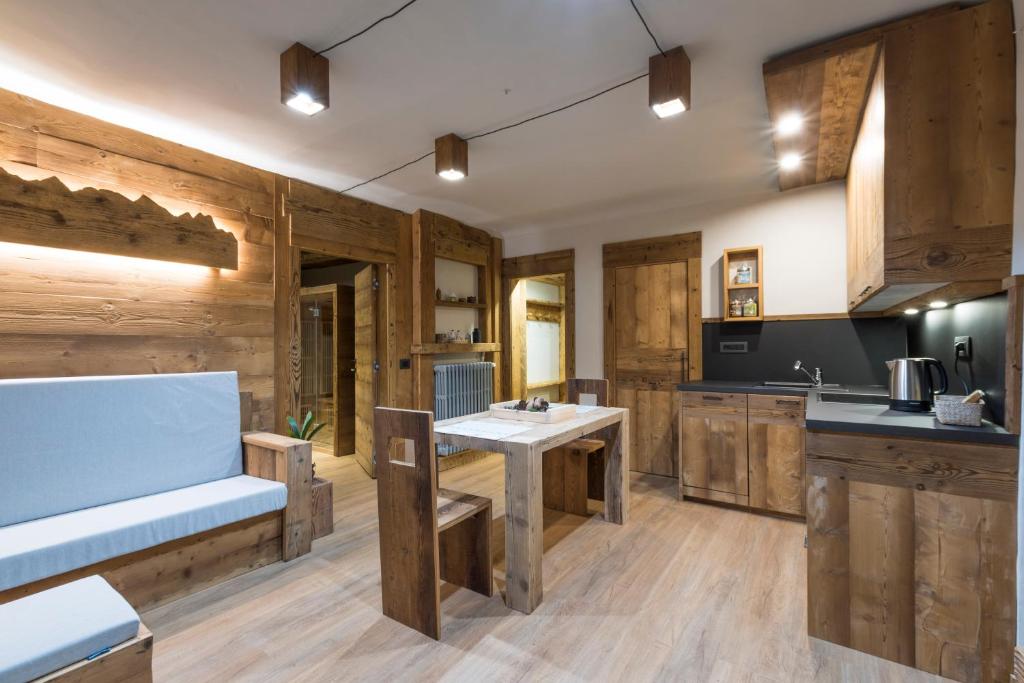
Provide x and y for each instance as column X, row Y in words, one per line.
column 455, row 347
column 47, row 213
column 731, row 260
column 460, row 304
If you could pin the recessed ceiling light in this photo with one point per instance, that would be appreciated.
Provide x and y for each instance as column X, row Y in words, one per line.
column 790, row 161
column 670, row 108
column 938, row 304
column 451, row 174
column 912, row 311
column 790, row 123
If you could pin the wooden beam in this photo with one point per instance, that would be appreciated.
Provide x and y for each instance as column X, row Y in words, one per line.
column 46, row 213
column 652, row 250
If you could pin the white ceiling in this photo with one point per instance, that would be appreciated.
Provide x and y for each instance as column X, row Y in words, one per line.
column 205, row 73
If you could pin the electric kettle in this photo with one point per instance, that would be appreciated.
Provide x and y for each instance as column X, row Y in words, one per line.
column 910, row 383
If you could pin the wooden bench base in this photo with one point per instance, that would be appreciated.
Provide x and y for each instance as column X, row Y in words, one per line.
column 129, row 662
column 172, row 570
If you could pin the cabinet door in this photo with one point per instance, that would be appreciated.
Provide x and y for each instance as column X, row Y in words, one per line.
column 713, row 452
column 775, row 436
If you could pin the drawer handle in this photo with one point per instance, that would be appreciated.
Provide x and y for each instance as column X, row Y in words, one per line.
column 711, row 398
column 783, row 402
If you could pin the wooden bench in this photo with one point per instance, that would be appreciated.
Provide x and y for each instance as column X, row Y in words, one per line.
column 427, row 534
column 574, row 472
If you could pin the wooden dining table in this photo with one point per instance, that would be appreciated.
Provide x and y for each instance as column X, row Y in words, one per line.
column 524, row 444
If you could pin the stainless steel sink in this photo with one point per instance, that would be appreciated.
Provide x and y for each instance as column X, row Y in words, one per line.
column 865, row 399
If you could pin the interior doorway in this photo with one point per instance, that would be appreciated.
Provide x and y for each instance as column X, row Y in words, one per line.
column 539, row 330
column 340, row 367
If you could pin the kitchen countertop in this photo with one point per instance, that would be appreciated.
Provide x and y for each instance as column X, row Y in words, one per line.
column 865, row 418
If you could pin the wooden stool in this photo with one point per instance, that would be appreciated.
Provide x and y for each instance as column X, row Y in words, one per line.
column 426, row 534
column 575, row 472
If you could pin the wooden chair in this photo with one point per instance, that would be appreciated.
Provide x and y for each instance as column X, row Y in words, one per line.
column 427, row 534
column 575, row 472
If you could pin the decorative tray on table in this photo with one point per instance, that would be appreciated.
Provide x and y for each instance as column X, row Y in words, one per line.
column 534, row 411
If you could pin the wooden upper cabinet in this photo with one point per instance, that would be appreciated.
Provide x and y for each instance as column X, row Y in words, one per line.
column 930, row 184
column 713, row 452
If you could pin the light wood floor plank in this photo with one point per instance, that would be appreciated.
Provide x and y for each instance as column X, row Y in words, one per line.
column 683, row 592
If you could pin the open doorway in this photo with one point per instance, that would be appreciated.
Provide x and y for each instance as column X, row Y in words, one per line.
column 539, row 334
column 339, row 365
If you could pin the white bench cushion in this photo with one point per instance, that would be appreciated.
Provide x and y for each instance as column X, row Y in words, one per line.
column 77, row 442
column 58, row 627
column 47, row 547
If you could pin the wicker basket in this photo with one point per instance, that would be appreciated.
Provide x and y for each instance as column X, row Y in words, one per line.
column 951, row 410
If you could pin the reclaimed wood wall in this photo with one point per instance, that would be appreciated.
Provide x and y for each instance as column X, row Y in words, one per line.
column 68, row 313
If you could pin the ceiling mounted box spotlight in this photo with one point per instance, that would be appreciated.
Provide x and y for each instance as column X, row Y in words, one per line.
column 669, row 82
column 305, row 80
column 451, row 157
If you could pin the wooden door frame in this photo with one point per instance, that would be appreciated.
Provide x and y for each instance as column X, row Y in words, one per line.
column 287, row 287
column 562, row 262
column 331, row 289
column 684, row 247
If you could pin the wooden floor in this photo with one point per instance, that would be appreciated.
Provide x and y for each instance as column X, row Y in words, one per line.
column 683, row 592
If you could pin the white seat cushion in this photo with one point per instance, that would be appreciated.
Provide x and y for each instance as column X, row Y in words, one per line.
column 47, row 547
column 61, row 626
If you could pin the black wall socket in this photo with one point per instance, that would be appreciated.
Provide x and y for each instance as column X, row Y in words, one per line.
column 962, row 347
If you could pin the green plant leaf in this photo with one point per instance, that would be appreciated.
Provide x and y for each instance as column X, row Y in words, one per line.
column 294, row 426
column 305, row 425
column 316, row 428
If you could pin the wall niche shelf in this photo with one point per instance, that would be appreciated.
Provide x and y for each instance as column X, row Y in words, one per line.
column 742, row 282
column 460, row 304
column 455, row 347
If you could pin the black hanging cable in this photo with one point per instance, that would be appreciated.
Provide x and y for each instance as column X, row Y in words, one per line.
column 503, row 128
column 649, row 32
column 356, row 35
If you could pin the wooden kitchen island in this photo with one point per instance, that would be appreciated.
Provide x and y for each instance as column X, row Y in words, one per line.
column 911, row 550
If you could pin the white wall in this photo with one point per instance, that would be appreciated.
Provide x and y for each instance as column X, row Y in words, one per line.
column 803, row 233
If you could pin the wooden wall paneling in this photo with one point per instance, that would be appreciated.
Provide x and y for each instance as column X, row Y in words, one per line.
column 695, row 343
column 46, row 213
column 496, row 307
column 99, row 316
column 1014, row 348
column 652, row 250
column 828, row 558
column 517, row 342
column 457, row 241
column 368, row 379
column 287, row 320
column 336, row 224
column 405, row 288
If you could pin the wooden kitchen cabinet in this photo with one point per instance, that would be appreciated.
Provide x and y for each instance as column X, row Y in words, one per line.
column 930, row 182
column 713, row 447
column 775, row 451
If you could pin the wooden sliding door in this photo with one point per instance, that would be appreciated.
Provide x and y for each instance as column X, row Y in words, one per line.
column 652, row 339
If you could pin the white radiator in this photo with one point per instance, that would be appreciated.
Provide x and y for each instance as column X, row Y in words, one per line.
column 461, row 389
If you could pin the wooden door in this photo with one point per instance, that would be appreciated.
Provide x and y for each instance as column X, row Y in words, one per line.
column 714, row 447
column 775, row 446
column 650, row 358
column 345, row 417
column 366, row 364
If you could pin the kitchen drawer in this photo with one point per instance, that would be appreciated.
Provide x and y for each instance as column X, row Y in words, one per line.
column 777, row 409
column 715, row 401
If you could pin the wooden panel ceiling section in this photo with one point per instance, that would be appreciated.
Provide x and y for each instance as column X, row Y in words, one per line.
column 826, row 86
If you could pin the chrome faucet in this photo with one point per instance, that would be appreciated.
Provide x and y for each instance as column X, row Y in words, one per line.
column 816, row 377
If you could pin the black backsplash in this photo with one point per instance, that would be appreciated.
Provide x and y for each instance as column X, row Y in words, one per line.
column 848, row 351
column 984, row 320
column 854, row 351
